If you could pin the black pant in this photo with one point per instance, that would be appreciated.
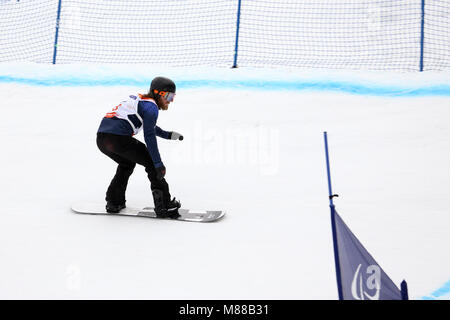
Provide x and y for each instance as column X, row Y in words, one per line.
column 127, row 151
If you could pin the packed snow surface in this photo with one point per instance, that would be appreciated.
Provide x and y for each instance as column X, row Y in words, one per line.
column 256, row 152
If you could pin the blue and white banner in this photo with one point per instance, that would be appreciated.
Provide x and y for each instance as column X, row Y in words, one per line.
column 360, row 277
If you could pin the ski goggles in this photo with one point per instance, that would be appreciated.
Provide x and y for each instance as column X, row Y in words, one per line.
column 168, row 95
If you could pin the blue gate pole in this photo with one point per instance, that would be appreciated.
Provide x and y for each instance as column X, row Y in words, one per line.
column 333, row 222
column 422, row 35
column 238, row 22
column 330, row 192
column 57, row 31
column 404, row 290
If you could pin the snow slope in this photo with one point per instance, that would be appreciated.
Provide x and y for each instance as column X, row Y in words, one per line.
column 259, row 155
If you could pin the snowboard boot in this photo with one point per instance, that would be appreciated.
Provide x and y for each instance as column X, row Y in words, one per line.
column 114, row 208
column 172, row 208
column 165, row 209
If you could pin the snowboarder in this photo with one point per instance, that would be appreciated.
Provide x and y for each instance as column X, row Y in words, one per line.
column 115, row 139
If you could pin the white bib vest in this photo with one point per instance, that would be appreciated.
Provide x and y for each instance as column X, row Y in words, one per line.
column 128, row 110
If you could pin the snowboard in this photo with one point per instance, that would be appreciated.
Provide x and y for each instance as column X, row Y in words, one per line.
column 148, row 212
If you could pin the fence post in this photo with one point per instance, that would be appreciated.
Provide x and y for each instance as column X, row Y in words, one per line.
column 422, row 36
column 58, row 15
column 238, row 22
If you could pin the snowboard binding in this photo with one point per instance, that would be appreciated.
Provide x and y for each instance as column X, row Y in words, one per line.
column 114, row 208
column 165, row 209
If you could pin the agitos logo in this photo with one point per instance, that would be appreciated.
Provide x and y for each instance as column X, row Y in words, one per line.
column 370, row 288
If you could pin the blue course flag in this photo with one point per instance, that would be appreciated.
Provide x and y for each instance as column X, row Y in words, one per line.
column 361, row 277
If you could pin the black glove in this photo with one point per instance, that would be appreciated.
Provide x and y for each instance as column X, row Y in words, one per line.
column 175, row 136
column 160, row 172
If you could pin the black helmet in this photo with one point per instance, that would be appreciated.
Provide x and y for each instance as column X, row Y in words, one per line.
column 162, row 84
